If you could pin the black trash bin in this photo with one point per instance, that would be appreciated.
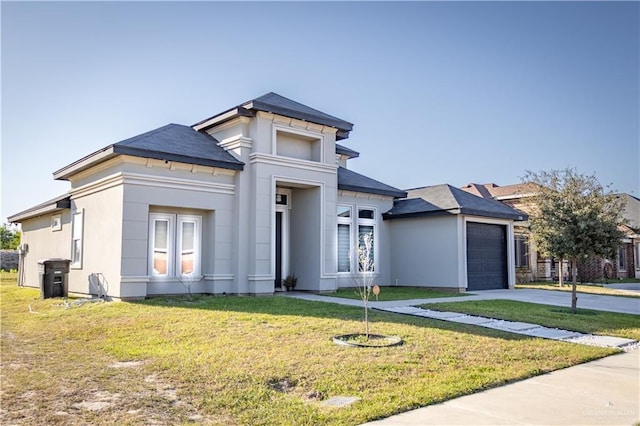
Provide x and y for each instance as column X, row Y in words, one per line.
column 53, row 277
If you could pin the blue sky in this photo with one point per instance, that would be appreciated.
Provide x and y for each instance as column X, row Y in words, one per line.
column 446, row 92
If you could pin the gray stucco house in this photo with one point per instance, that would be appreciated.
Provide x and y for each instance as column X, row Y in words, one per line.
column 244, row 198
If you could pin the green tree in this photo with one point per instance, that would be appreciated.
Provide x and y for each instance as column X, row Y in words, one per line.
column 575, row 218
column 9, row 237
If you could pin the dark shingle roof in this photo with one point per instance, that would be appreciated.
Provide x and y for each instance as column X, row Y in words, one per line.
column 349, row 180
column 446, row 199
column 272, row 102
column 173, row 142
column 343, row 150
column 277, row 104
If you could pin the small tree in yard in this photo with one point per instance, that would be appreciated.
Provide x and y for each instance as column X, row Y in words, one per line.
column 575, row 218
column 364, row 277
column 188, row 280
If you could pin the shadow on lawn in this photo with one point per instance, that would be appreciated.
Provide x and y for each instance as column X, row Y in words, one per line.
column 280, row 305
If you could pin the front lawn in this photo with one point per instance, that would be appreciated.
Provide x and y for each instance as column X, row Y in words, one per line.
column 584, row 321
column 396, row 293
column 580, row 288
column 241, row 360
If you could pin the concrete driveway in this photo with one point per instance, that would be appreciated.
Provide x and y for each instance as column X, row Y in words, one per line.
column 630, row 287
column 625, row 305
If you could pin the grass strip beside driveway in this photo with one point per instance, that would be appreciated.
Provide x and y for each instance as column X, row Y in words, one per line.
column 242, row 360
column 584, row 321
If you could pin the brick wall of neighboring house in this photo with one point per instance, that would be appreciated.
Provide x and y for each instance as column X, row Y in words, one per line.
column 9, row 260
column 524, row 275
column 597, row 269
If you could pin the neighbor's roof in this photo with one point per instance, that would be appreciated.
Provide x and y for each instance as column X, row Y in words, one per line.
column 446, row 199
column 348, row 180
column 479, row 189
column 274, row 103
column 173, row 142
column 491, row 190
column 343, row 150
column 631, row 210
column 56, row 204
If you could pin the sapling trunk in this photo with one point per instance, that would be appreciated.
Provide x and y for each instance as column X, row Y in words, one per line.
column 365, row 279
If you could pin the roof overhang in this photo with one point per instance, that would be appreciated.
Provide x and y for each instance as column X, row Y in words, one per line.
column 114, row 150
column 341, row 125
column 497, row 215
column 347, row 152
column 57, row 204
column 84, row 163
column 515, row 196
column 248, row 109
column 369, row 190
column 144, row 153
column 390, row 216
column 223, row 118
column 456, row 211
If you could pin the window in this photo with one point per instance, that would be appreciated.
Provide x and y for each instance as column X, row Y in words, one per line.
column 522, row 251
column 344, row 239
column 56, row 222
column 174, row 242
column 366, row 240
column 622, row 261
column 187, row 246
column 365, row 231
column 76, row 239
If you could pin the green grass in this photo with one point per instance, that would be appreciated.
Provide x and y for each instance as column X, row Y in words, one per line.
column 584, row 321
column 242, row 360
column 395, row 293
column 580, row 288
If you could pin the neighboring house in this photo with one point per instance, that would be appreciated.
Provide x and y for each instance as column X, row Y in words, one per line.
column 239, row 201
column 627, row 263
column 531, row 266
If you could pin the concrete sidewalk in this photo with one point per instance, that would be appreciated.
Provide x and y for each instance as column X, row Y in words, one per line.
column 517, row 327
column 602, row 392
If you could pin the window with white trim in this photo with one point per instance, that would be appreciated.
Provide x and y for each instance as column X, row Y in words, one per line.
column 77, row 231
column 366, row 239
column 344, row 238
column 522, row 251
column 174, row 244
column 622, row 261
column 360, row 228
